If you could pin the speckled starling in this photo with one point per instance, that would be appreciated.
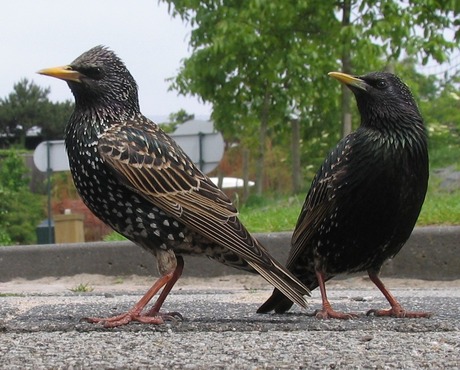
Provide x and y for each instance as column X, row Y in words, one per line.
column 365, row 199
column 136, row 179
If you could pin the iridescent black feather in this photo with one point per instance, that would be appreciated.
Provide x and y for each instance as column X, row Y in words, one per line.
column 366, row 197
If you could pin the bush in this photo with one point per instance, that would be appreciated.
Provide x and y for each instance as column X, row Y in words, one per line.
column 20, row 210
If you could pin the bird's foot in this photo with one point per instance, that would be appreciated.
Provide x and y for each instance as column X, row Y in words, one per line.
column 398, row 312
column 157, row 318
column 171, row 316
column 329, row 313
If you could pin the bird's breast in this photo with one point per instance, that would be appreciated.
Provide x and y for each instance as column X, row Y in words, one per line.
column 127, row 212
column 377, row 199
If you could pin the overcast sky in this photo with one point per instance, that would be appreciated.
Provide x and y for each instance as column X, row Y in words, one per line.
column 35, row 34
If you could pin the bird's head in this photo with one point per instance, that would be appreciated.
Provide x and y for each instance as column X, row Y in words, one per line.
column 98, row 78
column 382, row 99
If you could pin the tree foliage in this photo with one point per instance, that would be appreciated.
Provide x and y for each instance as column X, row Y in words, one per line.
column 257, row 62
column 54, row 122
column 175, row 119
column 27, row 106
column 20, row 210
column 248, row 55
column 23, row 108
column 252, row 61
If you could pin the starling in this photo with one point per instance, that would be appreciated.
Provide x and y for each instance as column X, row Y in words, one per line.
column 366, row 197
column 136, row 179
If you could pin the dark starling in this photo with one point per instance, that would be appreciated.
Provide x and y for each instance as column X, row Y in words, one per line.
column 366, row 197
column 136, row 179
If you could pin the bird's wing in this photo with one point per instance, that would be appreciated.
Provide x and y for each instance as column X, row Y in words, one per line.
column 320, row 201
column 149, row 162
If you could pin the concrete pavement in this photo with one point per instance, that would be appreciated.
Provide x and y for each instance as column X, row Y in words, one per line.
column 221, row 330
column 40, row 315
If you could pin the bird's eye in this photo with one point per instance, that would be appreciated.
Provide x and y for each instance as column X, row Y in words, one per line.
column 93, row 72
column 381, row 84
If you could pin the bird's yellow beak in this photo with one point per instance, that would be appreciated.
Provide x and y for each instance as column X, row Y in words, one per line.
column 349, row 80
column 64, row 73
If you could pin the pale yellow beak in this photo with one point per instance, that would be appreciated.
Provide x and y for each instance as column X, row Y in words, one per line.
column 63, row 72
column 349, row 80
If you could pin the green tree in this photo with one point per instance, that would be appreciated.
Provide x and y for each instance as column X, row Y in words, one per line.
column 390, row 27
column 23, row 108
column 27, row 106
column 54, row 123
column 20, row 210
column 259, row 61
column 175, row 119
column 5, row 238
column 251, row 60
column 444, row 107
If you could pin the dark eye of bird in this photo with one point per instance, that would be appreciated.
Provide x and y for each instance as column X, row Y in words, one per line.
column 95, row 73
column 381, row 84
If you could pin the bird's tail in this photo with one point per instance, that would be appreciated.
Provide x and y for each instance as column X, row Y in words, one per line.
column 287, row 283
column 277, row 302
column 284, row 281
column 280, row 302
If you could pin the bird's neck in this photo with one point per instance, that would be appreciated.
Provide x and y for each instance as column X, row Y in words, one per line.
column 395, row 125
column 90, row 122
column 392, row 118
column 398, row 135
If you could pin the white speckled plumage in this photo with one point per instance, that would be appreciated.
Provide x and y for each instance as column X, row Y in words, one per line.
column 135, row 178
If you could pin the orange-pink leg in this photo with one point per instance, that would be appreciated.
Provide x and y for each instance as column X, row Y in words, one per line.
column 396, row 309
column 155, row 310
column 327, row 312
column 153, row 316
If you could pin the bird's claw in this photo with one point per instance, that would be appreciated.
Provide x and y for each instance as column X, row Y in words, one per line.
column 124, row 319
column 167, row 316
column 398, row 312
column 175, row 316
column 325, row 314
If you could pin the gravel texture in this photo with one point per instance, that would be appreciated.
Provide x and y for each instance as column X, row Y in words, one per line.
column 40, row 327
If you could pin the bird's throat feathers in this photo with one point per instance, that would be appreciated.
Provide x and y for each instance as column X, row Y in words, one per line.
column 392, row 121
column 93, row 120
column 411, row 140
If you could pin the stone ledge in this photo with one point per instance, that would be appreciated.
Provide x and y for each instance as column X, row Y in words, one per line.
column 432, row 253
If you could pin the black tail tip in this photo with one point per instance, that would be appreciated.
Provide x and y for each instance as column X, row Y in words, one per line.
column 277, row 302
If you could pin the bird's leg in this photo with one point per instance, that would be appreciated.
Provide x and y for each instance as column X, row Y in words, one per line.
column 155, row 310
column 152, row 316
column 327, row 312
column 396, row 309
column 134, row 313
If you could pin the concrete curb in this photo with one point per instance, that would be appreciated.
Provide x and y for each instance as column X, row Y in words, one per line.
column 432, row 253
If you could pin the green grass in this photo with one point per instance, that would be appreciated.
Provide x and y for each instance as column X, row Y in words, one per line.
column 441, row 207
column 82, row 288
column 2, row 295
column 269, row 214
column 444, row 146
column 113, row 237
